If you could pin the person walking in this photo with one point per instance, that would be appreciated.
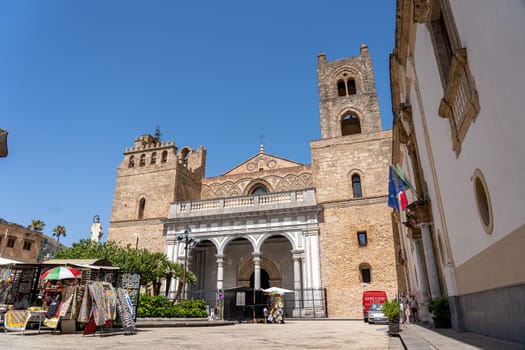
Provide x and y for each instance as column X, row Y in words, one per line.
column 414, row 308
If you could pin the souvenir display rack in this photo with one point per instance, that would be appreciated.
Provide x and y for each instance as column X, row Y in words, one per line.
column 131, row 283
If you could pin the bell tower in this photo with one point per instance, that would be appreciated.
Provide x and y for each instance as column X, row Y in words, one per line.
column 151, row 176
column 347, row 96
column 350, row 171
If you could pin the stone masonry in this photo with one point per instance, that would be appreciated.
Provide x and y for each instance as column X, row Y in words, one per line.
column 336, row 159
column 151, row 176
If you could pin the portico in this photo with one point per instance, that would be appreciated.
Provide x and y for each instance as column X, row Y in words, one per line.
column 256, row 241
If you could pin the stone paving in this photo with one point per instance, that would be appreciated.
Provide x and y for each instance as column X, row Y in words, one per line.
column 417, row 337
column 314, row 334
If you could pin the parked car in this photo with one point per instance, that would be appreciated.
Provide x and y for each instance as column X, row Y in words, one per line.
column 372, row 297
column 375, row 314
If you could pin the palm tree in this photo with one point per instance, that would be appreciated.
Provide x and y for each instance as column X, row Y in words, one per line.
column 57, row 232
column 37, row 225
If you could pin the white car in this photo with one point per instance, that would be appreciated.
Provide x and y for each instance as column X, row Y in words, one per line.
column 376, row 315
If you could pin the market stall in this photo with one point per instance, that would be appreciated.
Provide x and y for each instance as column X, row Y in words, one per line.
column 18, row 278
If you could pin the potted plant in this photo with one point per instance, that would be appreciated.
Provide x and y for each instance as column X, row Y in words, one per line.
column 391, row 311
column 440, row 311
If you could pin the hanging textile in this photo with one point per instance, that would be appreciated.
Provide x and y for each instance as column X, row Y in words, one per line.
column 125, row 309
column 85, row 308
column 99, row 303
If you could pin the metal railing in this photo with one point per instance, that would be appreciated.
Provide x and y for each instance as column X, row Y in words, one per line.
column 305, row 303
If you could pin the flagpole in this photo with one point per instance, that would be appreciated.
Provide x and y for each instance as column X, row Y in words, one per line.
column 397, row 169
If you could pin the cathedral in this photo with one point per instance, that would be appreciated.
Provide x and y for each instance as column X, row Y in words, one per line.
column 322, row 230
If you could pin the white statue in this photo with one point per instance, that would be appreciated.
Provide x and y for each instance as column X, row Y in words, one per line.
column 96, row 229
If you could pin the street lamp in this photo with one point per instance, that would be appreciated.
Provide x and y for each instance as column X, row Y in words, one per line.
column 189, row 242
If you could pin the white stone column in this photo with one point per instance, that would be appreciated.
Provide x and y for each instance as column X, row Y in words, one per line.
column 423, row 281
column 312, row 275
column 297, row 283
column 256, row 270
column 430, row 260
column 220, row 271
column 296, row 256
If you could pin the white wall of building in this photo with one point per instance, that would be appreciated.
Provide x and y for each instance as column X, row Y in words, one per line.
column 494, row 141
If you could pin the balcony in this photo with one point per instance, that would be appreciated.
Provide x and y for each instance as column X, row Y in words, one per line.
column 244, row 204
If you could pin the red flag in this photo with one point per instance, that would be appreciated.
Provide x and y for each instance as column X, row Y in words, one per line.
column 403, row 200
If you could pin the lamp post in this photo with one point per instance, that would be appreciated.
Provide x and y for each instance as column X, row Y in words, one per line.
column 189, row 242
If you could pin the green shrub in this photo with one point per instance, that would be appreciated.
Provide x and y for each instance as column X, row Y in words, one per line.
column 439, row 308
column 159, row 306
column 391, row 310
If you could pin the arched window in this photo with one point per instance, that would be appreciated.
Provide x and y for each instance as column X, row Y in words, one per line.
column 131, row 162
column 154, row 158
column 142, row 160
column 341, row 88
column 259, row 189
column 164, row 158
column 366, row 275
column 142, row 206
column 350, row 124
column 356, row 186
column 351, row 87
column 346, row 87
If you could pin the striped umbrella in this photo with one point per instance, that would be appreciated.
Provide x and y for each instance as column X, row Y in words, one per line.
column 61, row 273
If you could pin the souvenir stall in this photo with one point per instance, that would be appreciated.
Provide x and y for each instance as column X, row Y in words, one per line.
column 60, row 293
column 18, row 278
column 102, row 305
column 276, row 313
column 97, row 303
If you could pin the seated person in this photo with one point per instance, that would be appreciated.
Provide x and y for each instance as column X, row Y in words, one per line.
column 21, row 302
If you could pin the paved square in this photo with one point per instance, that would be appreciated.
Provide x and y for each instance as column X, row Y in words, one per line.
column 322, row 334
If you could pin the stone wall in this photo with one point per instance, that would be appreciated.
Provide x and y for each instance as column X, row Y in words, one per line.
column 139, row 233
column 341, row 255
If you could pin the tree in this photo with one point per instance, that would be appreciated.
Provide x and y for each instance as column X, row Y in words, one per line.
column 152, row 267
column 37, row 225
column 57, row 232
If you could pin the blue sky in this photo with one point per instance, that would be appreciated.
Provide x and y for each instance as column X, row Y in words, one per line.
column 81, row 79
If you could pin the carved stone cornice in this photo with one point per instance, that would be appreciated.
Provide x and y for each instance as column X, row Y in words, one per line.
column 418, row 212
column 406, row 110
column 421, row 11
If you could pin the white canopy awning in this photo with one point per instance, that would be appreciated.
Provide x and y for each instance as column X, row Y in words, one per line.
column 6, row 261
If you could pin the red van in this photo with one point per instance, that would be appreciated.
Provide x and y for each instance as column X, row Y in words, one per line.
column 372, row 297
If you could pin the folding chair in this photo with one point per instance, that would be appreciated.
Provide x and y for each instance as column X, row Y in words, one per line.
column 16, row 320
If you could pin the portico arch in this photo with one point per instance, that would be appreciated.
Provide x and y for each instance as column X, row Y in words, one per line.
column 246, row 271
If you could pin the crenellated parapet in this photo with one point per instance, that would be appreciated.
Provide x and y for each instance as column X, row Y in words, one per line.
column 147, row 142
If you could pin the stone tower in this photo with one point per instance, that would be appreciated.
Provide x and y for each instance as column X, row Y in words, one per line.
column 151, row 176
column 350, row 171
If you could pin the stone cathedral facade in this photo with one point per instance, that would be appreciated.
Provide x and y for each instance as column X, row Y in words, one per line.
column 323, row 230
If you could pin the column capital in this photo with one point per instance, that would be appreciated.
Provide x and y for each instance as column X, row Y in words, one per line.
column 297, row 254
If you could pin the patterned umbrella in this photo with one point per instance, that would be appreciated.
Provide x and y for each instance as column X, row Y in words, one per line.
column 61, row 273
